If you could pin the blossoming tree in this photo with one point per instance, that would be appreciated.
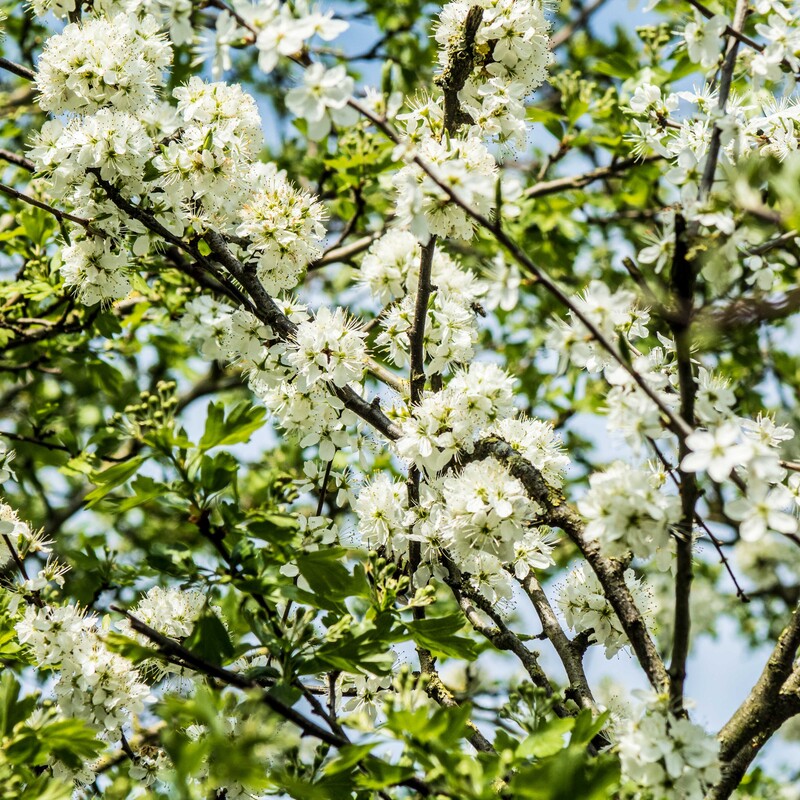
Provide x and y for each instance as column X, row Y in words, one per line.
column 371, row 374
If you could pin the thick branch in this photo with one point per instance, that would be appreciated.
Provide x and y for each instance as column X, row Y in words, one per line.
column 459, row 68
column 763, row 706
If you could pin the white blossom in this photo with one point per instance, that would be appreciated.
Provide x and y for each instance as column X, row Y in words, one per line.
column 627, row 511
column 716, row 452
column 484, row 510
column 103, row 62
column 587, row 610
column 322, row 100
column 666, row 756
column 93, row 683
column 329, row 347
column 762, row 509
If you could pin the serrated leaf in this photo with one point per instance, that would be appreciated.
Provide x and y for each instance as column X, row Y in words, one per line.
column 242, row 421
column 109, row 479
column 440, row 636
column 547, row 740
column 129, row 648
column 209, row 640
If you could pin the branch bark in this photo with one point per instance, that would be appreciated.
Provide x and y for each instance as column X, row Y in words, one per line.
column 773, row 699
column 682, row 281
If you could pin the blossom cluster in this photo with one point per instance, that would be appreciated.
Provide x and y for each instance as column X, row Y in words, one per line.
column 512, row 54
column 94, row 683
column 104, row 62
column 204, row 174
column 509, row 54
column 587, row 610
column 280, row 30
column 722, row 446
column 296, row 379
column 464, row 166
column 391, row 270
column 663, row 755
column 626, row 511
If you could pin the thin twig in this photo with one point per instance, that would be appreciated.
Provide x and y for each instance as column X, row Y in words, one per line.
column 17, row 69
column 543, row 188
column 20, row 161
column 571, row 27
column 726, row 77
column 57, row 213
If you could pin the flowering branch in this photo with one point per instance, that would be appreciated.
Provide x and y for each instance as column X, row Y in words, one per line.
column 571, row 655
column 172, row 649
column 734, row 31
column 610, row 572
column 676, row 424
column 725, row 78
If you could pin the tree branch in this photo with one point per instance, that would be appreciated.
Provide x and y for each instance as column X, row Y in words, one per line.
column 682, row 282
column 726, row 76
column 17, row 69
column 675, row 422
column 609, row 572
column 571, row 657
column 762, row 713
column 543, row 188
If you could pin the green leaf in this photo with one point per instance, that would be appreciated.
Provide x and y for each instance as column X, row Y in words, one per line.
column 129, row 648
column 617, row 66
column 363, row 647
column 547, row 740
column 348, row 757
column 144, row 490
column 12, row 709
column 438, row 634
column 586, row 727
column 276, row 528
column 330, row 582
column 242, row 421
column 209, row 640
column 543, row 115
column 71, row 741
column 109, row 479
column 380, row 774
